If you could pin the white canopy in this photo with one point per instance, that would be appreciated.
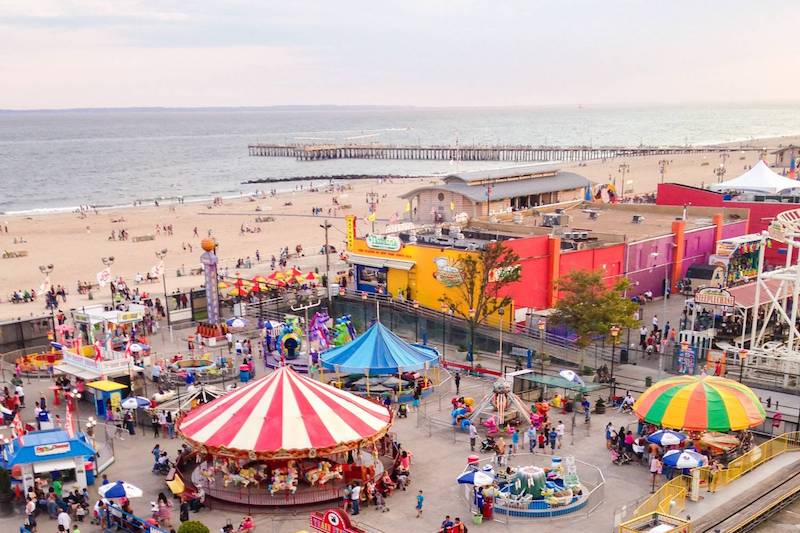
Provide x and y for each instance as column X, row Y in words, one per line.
column 760, row 178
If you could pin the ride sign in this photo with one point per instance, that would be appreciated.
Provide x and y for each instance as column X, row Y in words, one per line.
column 333, row 521
column 714, row 296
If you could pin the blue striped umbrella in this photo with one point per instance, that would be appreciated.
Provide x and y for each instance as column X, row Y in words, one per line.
column 666, row 437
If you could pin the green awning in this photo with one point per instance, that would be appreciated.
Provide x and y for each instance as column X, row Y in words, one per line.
column 558, row 382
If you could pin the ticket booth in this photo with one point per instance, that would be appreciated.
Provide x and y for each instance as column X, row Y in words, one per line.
column 104, row 392
column 43, row 453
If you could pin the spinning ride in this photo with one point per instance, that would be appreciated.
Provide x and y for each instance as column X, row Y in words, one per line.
column 285, row 439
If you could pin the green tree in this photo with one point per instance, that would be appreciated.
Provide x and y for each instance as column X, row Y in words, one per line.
column 193, row 526
column 589, row 307
column 483, row 278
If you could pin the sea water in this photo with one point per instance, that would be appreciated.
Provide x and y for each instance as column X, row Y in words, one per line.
column 56, row 160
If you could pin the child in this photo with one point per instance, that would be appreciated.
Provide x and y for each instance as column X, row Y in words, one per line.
column 542, row 440
column 553, row 437
column 420, row 500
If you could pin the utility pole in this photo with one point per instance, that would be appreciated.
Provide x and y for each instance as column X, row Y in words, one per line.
column 372, row 202
column 624, row 168
column 326, row 227
column 161, row 254
column 662, row 168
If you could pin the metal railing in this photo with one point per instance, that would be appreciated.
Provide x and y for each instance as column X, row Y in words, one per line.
column 650, row 520
column 669, row 499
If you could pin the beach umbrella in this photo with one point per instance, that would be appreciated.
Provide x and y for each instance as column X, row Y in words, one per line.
column 666, row 437
column 237, row 291
column 223, row 285
column 276, row 275
column 479, row 478
column 311, row 276
column 120, row 489
column 700, row 403
column 135, row 347
column 135, row 402
column 259, row 283
column 572, row 377
column 236, row 322
column 683, row 459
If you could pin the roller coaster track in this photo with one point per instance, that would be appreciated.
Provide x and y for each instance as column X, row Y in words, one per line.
column 757, row 510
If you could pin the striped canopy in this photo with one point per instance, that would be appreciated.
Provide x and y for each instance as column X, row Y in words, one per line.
column 379, row 351
column 284, row 415
column 700, row 403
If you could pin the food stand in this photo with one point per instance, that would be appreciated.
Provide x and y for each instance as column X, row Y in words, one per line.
column 104, row 393
column 738, row 256
column 39, row 453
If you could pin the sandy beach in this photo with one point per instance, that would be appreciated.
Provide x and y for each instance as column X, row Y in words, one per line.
column 75, row 245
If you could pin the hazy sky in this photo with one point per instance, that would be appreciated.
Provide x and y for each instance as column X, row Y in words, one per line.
column 104, row 53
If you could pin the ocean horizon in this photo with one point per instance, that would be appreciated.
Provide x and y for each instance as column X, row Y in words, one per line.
column 56, row 160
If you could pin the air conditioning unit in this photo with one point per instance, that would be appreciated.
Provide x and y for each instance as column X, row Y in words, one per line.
column 550, row 220
column 584, row 235
column 568, row 235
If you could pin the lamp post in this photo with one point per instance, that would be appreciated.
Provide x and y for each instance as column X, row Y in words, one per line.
column 614, row 330
column 326, row 226
column 161, row 254
column 662, row 168
column 72, row 405
column 542, row 325
column 107, row 262
column 47, row 270
column 444, row 331
column 719, row 172
column 624, row 168
column 501, row 312
column 364, row 297
column 416, row 321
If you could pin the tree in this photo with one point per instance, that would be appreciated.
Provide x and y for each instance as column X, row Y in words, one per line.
column 193, row 526
column 483, row 278
column 588, row 307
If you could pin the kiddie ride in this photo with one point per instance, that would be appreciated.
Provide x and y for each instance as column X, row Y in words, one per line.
column 284, row 344
column 535, row 492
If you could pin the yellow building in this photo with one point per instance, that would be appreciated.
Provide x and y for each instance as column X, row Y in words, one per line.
column 424, row 273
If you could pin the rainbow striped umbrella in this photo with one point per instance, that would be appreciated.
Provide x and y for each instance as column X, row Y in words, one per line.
column 700, row 403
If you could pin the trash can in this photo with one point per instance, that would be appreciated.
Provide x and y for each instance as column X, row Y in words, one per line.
column 488, row 508
column 244, row 373
column 477, row 519
column 623, row 356
column 648, row 381
column 88, row 466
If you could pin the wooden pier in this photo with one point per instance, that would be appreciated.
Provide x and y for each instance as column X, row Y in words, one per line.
column 304, row 152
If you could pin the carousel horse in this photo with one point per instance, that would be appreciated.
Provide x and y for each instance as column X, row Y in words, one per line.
column 208, row 475
column 233, row 479
column 284, row 479
column 249, row 476
column 324, row 473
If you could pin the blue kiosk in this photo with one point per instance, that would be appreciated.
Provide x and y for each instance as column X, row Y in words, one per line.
column 40, row 453
column 385, row 360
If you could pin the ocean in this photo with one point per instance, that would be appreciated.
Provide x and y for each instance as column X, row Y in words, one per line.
column 57, row 160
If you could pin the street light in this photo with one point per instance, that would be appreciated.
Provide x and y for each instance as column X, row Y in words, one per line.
column 624, row 168
column 720, row 172
column 364, row 297
column 742, row 359
column 662, row 168
column 107, row 262
column 416, row 320
column 47, row 270
column 161, row 254
column 444, row 330
column 614, row 330
column 326, row 226
column 542, row 325
column 501, row 312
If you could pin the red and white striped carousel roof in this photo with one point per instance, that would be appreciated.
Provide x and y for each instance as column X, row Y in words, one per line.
column 281, row 412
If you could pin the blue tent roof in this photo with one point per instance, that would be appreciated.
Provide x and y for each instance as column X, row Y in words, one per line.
column 379, row 351
column 41, row 440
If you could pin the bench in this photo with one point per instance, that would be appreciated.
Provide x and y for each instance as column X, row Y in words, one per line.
column 141, row 238
column 11, row 254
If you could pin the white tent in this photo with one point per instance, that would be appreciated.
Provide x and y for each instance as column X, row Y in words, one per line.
column 760, row 178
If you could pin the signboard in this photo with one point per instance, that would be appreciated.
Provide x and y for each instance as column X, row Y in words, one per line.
column 714, row 296
column 333, row 521
column 130, row 316
column 446, row 273
column 51, row 449
column 384, row 242
column 351, row 230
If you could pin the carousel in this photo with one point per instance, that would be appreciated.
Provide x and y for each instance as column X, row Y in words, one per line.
column 286, row 439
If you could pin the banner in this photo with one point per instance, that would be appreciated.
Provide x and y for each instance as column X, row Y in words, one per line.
column 158, row 270
column 104, row 277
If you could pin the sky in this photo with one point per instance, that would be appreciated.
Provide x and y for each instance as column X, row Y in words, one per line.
column 177, row 53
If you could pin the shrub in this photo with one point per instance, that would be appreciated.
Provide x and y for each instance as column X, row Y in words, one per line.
column 193, row 526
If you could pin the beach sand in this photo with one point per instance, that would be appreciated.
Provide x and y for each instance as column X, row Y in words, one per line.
column 76, row 245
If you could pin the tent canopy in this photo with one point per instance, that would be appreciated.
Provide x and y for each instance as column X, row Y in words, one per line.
column 760, row 178
column 379, row 351
column 285, row 415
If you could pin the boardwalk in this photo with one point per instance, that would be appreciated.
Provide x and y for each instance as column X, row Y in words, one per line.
column 520, row 153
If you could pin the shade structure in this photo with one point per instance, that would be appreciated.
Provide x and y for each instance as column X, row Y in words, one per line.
column 478, row 478
column 760, row 178
column 120, row 489
column 135, row 402
column 683, row 459
column 378, row 351
column 700, row 403
column 666, row 437
column 283, row 416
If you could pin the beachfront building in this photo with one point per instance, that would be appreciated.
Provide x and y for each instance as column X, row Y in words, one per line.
column 651, row 245
column 760, row 192
column 485, row 192
column 785, row 156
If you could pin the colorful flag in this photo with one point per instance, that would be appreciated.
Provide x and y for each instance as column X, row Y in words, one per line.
column 371, row 217
column 19, row 428
column 69, row 422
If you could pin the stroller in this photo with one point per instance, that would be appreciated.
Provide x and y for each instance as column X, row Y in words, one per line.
column 620, row 457
column 488, row 444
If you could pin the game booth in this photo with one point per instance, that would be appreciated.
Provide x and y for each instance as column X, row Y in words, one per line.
column 379, row 362
column 48, row 453
column 286, row 439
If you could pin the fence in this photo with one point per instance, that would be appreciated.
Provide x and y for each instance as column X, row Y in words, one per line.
column 669, row 499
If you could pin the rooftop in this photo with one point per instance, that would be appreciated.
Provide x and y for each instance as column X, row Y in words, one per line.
column 503, row 173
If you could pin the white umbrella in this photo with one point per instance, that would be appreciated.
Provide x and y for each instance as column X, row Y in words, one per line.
column 136, row 347
column 237, row 323
column 135, row 402
column 120, row 489
column 683, row 459
column 572, row 377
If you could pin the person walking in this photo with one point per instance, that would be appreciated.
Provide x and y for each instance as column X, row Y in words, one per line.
column 655, row 470
column 457, row 380
column 514, row 441
column 531, row 433
column 473, row 436
column 560, row 430
column 553, row 437
column 420, row 501
column 355, row 497
column 155, row 424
